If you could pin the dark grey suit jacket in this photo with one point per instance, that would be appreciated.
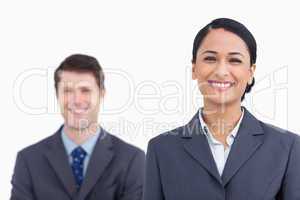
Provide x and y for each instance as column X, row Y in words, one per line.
column 263, row 164
column 115, row 171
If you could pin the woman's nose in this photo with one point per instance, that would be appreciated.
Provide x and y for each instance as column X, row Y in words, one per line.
column 222, row 69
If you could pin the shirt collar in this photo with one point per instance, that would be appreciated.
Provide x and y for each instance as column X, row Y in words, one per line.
column 207, row 132
column 88, row 145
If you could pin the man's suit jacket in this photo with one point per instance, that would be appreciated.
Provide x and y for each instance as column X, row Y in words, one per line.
column 263, row 164
column 115, row 171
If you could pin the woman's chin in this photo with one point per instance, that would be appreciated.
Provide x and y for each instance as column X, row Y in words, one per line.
column 222, row 100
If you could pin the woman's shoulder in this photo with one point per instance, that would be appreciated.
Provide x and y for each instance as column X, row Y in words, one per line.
column 275, row 132
column 168, row 138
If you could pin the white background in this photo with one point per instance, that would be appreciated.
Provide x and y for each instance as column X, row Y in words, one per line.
column 145, row 48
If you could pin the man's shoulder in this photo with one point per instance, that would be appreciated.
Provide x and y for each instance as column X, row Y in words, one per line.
column 37, row 147
column 122, row 147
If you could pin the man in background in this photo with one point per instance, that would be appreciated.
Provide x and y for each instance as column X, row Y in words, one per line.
column 81, row 160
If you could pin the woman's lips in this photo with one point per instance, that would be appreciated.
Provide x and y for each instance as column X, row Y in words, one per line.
column 220, row 85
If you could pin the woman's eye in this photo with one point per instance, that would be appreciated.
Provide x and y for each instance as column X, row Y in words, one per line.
column 235, row 61
column 210, row 59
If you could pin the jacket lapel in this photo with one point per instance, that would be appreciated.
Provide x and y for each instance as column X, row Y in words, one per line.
column 100, row 158
column 195, row 144
column 249, row 138
column 58, row 160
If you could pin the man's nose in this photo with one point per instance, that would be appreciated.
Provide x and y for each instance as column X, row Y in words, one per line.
column 78, row 98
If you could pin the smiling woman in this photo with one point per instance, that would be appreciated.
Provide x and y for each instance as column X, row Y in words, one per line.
column 222, row 67
column 224, row 152
column 229, row 46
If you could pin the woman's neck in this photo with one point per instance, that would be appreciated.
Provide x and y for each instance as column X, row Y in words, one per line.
column 221, row 119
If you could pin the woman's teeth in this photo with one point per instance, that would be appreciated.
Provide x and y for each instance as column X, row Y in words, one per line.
column 221, row 85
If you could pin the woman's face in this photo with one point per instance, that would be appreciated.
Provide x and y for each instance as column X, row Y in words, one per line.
column 222, row 67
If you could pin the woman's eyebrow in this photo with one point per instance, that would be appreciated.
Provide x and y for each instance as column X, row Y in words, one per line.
column 236, row 53
column 209, row 51
column 231, row 53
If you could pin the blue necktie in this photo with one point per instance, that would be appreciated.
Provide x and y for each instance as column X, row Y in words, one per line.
column 78, row 156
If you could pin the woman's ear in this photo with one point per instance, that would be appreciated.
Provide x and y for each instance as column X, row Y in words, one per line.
column 193, row 71
column 252, row 70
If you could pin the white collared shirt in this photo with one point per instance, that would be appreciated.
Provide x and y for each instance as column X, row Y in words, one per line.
column 219, row 152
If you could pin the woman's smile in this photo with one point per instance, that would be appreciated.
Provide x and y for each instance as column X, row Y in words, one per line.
column 221, row 86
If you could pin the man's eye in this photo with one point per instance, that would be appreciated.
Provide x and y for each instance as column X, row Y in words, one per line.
column 210, row 59
column 85, row 90
column 67, row 90
column 235, row 61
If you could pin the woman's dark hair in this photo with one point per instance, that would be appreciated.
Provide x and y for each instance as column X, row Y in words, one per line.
column 82, row 64
column 234, row 27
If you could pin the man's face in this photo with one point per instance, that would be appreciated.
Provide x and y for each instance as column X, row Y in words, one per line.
column 79, row 99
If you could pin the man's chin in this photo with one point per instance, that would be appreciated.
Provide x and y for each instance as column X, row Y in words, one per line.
column 78, row 125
